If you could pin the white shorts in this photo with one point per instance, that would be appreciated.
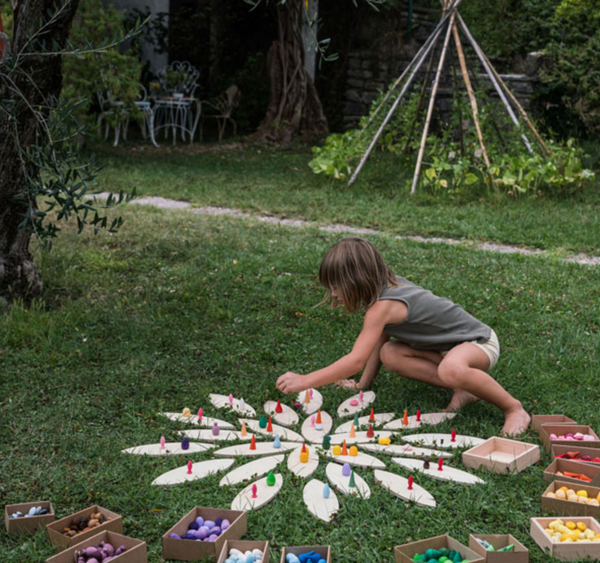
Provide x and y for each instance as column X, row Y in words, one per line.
column 491, row 348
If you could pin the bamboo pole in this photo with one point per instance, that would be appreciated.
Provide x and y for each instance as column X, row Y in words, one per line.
column 457, row 102
column 491, row 72
column 434, row 90
column 426, row 46
column 408, row 82
column 471, row 94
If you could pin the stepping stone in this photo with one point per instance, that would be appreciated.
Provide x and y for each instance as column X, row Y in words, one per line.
column 359, row 438
column 206, row 421
column 264, row 494
column 446, row 474
column 289, row 417
column 171, row 448
column 360, row 460
column 251, row 470
column 262, row 448
column 205, row 434
column 200, row 470
column 380, row 419
column 432, row 419
column 303, row 469
column 398, row 486
column 405, row 450
column 284, row 433
column 313, row 405
column 342, row 483
column 443, row 440
column 311, row 433
column 222, row 402
column 319, row 506
column 347, row 409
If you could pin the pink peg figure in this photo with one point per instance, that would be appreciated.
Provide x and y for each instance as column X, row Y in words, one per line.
column 418, row 415
column 200, row 413
column 453, row 439
column 189, row 471
column 312, row 421
column 230, row 400
column 440, row 464
column 361, row 396
column 254, row 491
column 215, row 429
column 162, row 442
column 310, row 394
column 410, row 482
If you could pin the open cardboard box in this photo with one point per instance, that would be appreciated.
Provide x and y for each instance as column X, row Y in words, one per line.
column 559, row 449
column 323, row 550
column 405, row 553
column 564, row 507
column 135, row 553
column 538, row 419
column 27, row 524
column 189, row 550
column 243, row 546
column 501, row 455
column 565, row 551
column 591, row 470
column 115, row 524
column 519, row 554
column 562, row 429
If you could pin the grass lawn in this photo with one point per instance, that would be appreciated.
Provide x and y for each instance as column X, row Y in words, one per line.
column 179, row 305
column 281, row 183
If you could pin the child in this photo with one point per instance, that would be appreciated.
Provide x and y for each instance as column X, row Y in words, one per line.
column 411, row 331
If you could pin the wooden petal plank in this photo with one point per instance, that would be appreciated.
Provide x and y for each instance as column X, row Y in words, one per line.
column 251, row 470
column 200, row 470
column 443, row 440
column 303, row 469
column 289, row 417
column 262, row 448
column 205, row 434
column 431, row 419
column 314, row 404
column 264, row 494
column 205, row 421
column 319, row 506
column 398, row 486
column 222, row 402
column 360, row 460
column 311, row 433
column 348, row 409
column 446, row 474
column 284, row 433
column 171, row 448
column 359, row 437
column 342, row 483
column 380, row 419
column 405, row 450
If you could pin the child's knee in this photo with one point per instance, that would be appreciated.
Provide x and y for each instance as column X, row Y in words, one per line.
column 452, row 373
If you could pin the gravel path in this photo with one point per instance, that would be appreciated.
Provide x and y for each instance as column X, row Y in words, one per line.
column 164, row 203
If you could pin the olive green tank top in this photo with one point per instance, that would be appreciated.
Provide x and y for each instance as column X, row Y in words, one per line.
column 432, row 322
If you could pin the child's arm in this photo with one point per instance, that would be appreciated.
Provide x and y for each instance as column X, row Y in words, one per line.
column 362, row 351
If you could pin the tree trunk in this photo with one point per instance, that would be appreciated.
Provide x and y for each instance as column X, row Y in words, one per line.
column 37, row 80
column 294, row 106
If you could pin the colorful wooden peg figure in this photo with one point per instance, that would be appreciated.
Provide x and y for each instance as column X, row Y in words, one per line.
column 303, row 450
column 262, row 423
column 185, row 443
column 230, row 400
column 410, row 482
column 440, row 464
column 344, row 448
column 307, row 397
column 242, row 405
column 162, row 442
column 200, row 413
column 346, row 470
column 269, row 425
column 186, row 413
column 453, row 439
column 278, row 407
column 326, row 491
column 215, row 429
column 310, row 394
column 352, row 482
column 370, row 432
column 405, row 418
column 253, row 443
column 244, row 432
column 189, row 466
column 304, row 454
column 361, row 397
column 271, row 479
column 319, row 420
column 326, row 442
column 418, row 415
column 254, row 491
column 312, row 421
column 356, row 423
column 372, row 415
column 277, row 442
column 352, row 431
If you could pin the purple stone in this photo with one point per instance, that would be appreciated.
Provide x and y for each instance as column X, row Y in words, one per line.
column 189, row 536
column 193, row 526
column 202, row 532
column 200, row 521
column 218, row 521
column 224, row 525
column 175, row 536
column 212, row 538
column 209, row 524
column 199, row 535
column 216, row 530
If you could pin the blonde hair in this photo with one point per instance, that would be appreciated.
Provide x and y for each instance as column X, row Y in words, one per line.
column 355, row 270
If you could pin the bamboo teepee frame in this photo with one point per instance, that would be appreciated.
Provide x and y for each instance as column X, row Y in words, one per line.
column 450, row 23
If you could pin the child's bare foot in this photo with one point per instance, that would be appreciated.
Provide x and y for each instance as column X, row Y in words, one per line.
column 460, row 399
column 516, row 421
column 346, row 384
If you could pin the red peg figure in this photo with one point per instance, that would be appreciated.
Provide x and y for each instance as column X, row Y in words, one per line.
column 419, row 415
column 453, row 439
column 405, row 418
column 254, row 490
column 440, row 464
column 303, row 448
column 269, row 425
column 253, row 443
column 189, row 471
column 410, row 483
column 200, row 413
column 370, row 432
column 372, row 415
column 162, row 442
column 278, row 408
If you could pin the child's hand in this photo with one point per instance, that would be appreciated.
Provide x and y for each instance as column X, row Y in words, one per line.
column 291, row 383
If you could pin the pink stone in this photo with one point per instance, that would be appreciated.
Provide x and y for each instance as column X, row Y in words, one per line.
column 354, row 402
column 588, row 438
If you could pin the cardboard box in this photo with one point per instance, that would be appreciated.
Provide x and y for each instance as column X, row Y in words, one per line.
column 538, row 419
column 135, row 553
column 405, row 553
column 243, row 546
column 591, row 470
column 501, row 455
column 520, row 554
column 561, row 429
column 27, row 524
column 188, row 550
column 558, row 449
column 566, row 507
column 115, row 524
column 323, row 550
column 565, row 551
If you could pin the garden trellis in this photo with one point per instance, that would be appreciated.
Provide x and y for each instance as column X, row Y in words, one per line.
column 448, row 28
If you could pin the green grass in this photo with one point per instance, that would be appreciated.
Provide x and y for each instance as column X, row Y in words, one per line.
column 280, row 183
column 179, row 305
